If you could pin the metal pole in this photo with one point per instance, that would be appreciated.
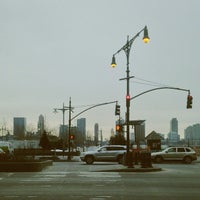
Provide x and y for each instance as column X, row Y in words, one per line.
column 69, row 136
column 63, row 109
column 63, row 128
column 127, row 51
column 126, row 48
column 129, row 160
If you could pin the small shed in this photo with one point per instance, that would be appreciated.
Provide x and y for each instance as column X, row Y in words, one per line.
column 154, row 141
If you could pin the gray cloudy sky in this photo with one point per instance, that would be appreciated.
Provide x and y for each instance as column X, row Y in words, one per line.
column 51, row 50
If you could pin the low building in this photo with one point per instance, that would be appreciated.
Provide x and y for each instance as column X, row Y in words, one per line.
column 154, row 141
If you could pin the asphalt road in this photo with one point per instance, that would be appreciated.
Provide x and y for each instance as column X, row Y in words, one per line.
column 77, row 181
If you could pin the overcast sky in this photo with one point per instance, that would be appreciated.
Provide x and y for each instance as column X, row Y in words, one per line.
column 51, row 50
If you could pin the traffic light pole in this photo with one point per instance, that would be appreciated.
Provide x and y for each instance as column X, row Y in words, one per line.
column 69, row 135
column 70, row 108
column 63, row 109
column 126, row 48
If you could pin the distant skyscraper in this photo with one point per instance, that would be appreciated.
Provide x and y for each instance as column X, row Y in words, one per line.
column 192, row 135
column 81, row 126
column 63, row 131
column 173, row 136
column 19, row 127
column 41, row 125
column 96, row 134
column 174, row 125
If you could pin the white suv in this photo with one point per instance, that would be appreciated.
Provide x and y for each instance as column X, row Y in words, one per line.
column 185, row 154
column 104, row 153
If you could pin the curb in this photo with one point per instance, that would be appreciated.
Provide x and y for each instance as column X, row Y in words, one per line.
column 151, row 169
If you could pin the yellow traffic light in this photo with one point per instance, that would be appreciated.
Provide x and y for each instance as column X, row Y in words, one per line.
column 117, row 127
column 72, row 137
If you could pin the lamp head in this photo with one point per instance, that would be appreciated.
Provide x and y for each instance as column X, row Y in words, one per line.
column 113, row 64
column 146, row 36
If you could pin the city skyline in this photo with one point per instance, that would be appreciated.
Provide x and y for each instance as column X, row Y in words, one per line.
column 53, row 50
column 173, row 127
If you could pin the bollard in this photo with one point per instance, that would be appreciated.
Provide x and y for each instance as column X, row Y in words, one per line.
column 146, row 159
column 128, row 160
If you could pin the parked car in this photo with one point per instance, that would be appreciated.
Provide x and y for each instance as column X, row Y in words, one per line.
column 2, row 154
column 185, row 154
column 104, row 153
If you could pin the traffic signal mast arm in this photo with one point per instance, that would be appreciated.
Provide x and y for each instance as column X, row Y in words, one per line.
column 101, row 104
column 189, row 98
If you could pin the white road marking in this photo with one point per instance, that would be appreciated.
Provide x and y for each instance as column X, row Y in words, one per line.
column 100, row 174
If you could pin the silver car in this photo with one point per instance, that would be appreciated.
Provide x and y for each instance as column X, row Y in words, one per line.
column 104, row 153
column 2, row 154
column 185, row 154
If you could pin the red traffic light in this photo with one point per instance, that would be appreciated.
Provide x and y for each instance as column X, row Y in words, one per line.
column 128, row 98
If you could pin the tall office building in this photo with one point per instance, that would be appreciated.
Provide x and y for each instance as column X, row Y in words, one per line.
column 41, row 125
column 174, row 125
column 96, row 134
column 173, row 136
column 63, row 131
column 192, row 135
column 81, row 126
column 19, row 127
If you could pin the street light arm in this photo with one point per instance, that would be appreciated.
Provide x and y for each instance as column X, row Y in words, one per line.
column 101, row 104
column 160, row 88
column 129, row 43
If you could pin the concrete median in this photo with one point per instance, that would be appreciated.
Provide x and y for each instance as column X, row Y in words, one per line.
column 24, row 166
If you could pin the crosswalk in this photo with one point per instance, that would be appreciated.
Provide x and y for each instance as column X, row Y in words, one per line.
column 58, row 175
column 75, row 185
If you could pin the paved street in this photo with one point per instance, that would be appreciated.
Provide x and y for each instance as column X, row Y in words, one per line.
column 76, row 180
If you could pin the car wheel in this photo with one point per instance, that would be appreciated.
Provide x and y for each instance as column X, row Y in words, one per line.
column 89, row 160
column 158, row 159
column 187, row 160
